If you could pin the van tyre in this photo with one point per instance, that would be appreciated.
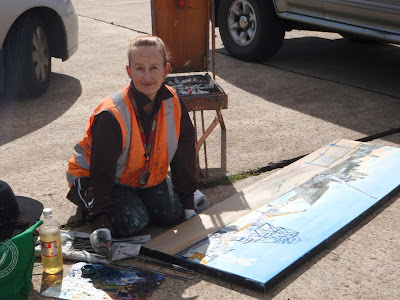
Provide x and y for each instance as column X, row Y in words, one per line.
column 27, row 59
column 250, row 29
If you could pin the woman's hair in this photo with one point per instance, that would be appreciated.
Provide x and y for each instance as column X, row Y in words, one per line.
column 149, row 41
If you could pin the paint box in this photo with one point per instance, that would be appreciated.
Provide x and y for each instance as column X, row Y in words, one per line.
column 199, row 92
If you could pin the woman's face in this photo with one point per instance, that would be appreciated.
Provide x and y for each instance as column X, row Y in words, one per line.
column 146, row 68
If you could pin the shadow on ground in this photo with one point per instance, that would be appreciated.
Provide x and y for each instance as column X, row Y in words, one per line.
column 20, row 117
column 313, row 66
column 373, row 66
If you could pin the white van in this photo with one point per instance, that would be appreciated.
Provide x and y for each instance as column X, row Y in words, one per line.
column 254, row 29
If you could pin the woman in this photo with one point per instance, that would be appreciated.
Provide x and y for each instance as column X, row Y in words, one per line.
column 118, row 172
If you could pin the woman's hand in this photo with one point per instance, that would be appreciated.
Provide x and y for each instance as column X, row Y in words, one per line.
column 100, row 239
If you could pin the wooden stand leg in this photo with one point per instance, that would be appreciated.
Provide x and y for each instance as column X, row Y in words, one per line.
column 205, row 145
column 202, row 140
column 197, row 152
column 221, row 119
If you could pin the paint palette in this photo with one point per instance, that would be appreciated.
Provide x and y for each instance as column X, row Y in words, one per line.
column 92, row 281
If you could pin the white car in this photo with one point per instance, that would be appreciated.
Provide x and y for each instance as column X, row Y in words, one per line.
column 31, row 32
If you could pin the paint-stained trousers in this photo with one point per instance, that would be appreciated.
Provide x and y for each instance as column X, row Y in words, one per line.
column 132, row 210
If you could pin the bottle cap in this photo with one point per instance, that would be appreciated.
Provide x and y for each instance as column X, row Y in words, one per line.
column 47, row 212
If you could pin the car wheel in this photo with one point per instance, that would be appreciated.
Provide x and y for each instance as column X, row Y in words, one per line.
column 250, row 29
column 27, row 60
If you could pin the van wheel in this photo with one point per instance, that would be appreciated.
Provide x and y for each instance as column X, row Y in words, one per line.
column 27, row 62
column 250, row 29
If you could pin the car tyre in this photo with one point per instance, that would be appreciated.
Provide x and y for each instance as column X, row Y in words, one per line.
column 27, row 56
column 250, row 29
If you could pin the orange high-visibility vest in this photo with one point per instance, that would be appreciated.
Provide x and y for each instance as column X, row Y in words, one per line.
column 131, row 162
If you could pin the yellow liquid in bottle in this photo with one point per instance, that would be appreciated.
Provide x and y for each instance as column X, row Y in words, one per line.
column 51, row 250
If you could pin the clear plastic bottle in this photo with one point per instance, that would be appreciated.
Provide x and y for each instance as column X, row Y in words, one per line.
column 50, row 241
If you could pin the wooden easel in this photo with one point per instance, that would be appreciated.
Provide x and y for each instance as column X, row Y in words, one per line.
column 183, row 25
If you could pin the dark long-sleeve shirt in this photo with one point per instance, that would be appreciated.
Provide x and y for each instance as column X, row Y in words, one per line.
column 107, row 147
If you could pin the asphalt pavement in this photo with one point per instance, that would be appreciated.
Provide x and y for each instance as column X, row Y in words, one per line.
column 318, row 88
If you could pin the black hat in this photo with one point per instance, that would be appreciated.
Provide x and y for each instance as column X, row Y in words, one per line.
column 16, row 213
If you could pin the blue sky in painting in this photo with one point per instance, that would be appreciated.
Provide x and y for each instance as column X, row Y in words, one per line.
column 332, row 211
column 383, row 173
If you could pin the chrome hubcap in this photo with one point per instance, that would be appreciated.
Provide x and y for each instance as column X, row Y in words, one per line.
column 40, row 54
column 242, row 22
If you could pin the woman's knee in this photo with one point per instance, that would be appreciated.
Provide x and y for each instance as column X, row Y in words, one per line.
column 128, row 222
column 166, row 216
column 128, row 214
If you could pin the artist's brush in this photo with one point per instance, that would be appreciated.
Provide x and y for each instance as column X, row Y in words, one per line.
column 164, row 264
column 109, row 255
column 90, row 250
column 81, row 241
column 133, row 239
column 126, row 266
column 81, row 245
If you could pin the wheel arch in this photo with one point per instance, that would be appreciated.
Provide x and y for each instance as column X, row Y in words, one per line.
column 55, row 30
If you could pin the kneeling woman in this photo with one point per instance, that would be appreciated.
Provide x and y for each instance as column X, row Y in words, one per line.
column 118, row 172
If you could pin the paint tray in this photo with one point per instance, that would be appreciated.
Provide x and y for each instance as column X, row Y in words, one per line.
column 199, row 92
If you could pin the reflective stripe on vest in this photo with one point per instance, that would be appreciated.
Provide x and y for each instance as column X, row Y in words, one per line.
column 118, row 100
column 80, row 158
column 172, row 139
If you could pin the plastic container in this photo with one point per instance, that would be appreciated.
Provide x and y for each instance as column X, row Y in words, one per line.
column 50, row 241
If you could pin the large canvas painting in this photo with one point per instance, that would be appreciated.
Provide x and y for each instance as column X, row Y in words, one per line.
column 348, row 180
